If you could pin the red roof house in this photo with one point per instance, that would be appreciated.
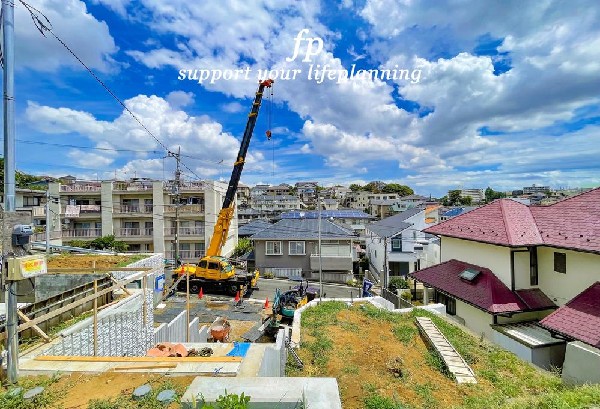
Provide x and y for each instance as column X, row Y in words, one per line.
column 579, row 318
column 484, row 291
column 571, row 224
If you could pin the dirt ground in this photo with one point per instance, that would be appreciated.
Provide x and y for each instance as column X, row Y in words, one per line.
column 85, row 260
column 77, row 390
column 362, row 356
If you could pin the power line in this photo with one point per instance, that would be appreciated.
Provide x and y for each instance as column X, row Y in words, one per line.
column 46, row 26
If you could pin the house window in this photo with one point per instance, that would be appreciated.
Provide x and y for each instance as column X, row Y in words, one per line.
column 297, row 248
column 396, row 244
column 273, row 248
column 31, row 201
column 560, row 263
column 450, row 306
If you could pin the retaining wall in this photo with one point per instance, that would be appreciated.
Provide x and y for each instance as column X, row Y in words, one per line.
column 275, row 358
column 122, row 331
column 175, row 330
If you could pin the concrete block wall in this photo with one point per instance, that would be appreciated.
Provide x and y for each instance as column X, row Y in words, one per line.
column 275, row 358
column 122, row 331
column 175, row 331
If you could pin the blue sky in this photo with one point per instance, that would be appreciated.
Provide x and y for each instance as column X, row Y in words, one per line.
column 507, row 91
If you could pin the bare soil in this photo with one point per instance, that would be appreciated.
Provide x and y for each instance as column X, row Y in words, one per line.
column 86, row 261
column 366, row 355
column 77, row 390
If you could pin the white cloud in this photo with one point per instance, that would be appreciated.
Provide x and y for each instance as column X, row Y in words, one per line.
column 70, row 21
column 180, row 99
column 118, row 6
column 232, row 107
column 84, row 159
column 202, row 140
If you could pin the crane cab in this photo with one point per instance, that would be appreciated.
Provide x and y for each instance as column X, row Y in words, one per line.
column 215, row 268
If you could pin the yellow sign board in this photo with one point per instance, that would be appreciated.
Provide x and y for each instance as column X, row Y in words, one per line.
column 22, row 268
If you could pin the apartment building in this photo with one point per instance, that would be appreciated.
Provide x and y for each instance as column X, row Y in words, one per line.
column 272, row 204
column 143, row 214
column 476, row 195
column 361, row 199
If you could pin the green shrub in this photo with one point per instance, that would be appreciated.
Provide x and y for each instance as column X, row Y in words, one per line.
column 397, row 283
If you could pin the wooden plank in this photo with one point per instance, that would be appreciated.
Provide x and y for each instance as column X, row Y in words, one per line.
column 35, row 327
column 138, row 359
column 114, row 280
column 155, row 366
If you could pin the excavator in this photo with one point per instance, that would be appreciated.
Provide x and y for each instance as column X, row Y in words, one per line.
column 214, row 272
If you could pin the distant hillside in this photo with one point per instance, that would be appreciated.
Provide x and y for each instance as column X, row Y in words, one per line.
column 23, row 179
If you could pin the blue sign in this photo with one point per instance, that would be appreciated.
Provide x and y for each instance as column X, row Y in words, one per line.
column 366, row 288
column 159, row 283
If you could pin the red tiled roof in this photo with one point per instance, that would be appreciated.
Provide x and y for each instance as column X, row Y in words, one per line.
column 572, row 223
column 486, row 291
column 579, row 318
column 535, row 299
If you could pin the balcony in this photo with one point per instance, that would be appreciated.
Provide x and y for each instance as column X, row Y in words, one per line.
column 185, row 231
column 75, row 211
column 82, row 233
column 81, row 188
column 129, row 209
column 331, row 263
column 135, row 232
column 185, row 254
column 197, row 209
column 38, row 211
column 132, row 186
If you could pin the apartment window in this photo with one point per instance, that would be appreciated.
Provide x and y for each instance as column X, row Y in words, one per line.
column 396, row 244
column 273, row 248
column 560, row 262
column 31, row 201
column 297, row 248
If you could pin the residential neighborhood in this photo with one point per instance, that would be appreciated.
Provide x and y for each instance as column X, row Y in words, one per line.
column 314, row 204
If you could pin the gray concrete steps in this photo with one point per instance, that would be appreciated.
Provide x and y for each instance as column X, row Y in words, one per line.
column 461, row 371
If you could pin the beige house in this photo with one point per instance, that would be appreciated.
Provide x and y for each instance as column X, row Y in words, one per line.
column 507, row 263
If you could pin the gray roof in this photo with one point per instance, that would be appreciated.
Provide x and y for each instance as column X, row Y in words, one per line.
column 303, row 229
column 390, row 226
column 253, row 227
column 275, row 197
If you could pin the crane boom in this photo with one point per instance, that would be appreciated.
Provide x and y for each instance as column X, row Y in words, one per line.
column 221, row 230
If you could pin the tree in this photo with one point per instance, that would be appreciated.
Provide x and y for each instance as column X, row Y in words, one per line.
column 355, row 188
column 401, row 190
column 108, row 243
column 374, row 187
column 491, row 195
column 453, row 197
column 466, row 201
column 244, row 246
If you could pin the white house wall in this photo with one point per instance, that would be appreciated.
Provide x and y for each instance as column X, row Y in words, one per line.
column 583, row 269
column 496, row 258
column 475, row 319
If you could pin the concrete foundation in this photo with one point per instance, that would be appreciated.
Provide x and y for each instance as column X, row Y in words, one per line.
column 267, row 393
column 582, row 364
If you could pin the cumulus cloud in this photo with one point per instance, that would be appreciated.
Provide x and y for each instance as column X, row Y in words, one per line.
column 232, row 107
column 180, row 99
column 72, row 22
column 202, row 140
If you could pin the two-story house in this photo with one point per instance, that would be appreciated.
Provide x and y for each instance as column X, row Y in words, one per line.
column 290, row 248
column 507, row 263
column 397, row 246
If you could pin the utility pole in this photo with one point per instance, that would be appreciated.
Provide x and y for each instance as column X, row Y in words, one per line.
column 48, row 219
column 320, row 260
column 8, row 25
column 385, row 264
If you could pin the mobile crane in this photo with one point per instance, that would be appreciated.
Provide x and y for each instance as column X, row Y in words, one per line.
column 214, row 272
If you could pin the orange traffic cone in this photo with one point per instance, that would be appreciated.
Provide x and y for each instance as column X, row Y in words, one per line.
column 267, row 303
column 237, row 297
column 201, row 293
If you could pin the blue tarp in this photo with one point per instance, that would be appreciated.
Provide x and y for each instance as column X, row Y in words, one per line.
column 239, row 349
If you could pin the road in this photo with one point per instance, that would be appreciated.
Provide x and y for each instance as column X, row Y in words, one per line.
column 268, row 286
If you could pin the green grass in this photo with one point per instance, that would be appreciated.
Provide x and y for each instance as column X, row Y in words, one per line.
column 505, row 380
column 46, row 399
column 125, row 401
column 132, row 259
